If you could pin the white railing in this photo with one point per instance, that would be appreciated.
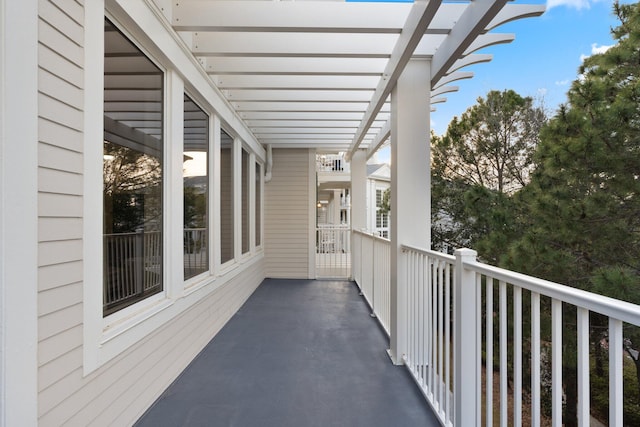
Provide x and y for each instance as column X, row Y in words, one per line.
column 132, row 266
column 331, row 163
column 456, row 334
column 333, row 251
column 196, row 255
column 371, row 271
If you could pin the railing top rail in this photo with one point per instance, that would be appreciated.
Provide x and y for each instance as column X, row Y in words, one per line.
column 371, row 234
column 433, row 254
column 607, row 306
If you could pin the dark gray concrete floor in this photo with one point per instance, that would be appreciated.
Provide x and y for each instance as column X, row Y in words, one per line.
column 298, row 353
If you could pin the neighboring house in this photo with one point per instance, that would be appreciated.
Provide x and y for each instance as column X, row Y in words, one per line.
column 378, row 181
column 106, row 293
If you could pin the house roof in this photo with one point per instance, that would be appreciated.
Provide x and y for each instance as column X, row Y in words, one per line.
column 319, row 73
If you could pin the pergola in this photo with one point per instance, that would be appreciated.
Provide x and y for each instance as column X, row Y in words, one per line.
column 319, row 74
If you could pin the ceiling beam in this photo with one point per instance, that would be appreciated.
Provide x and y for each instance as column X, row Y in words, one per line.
column 419, row 19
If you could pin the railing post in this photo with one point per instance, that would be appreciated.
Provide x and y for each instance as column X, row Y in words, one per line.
column 465, row 341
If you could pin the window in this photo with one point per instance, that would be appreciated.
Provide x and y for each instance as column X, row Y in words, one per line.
column 258, row 209
column 226, row 198
column 196, row 189
column 132, row 173
column 245, row 201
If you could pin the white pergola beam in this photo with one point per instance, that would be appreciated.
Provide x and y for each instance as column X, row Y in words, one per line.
column 297, row 82
column 279, row 95
column 418, row 21
column 489, row 39
column 292, row 124
column 471, row 24
column 511, row 12
column 459, row 75
column 474, row 58
column 382, row 137
column 295, row 66
column 444, row 89
column 293, row 44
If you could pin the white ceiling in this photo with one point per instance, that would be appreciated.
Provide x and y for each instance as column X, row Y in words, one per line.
column 319, row 73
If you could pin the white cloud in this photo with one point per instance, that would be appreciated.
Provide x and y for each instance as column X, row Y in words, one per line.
column 576, row 4
column 595, row 49
column 563, row 82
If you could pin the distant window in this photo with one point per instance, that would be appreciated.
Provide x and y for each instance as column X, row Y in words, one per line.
column 246, row 201
column 258, row 208
column 132, row 173
column 196, row 189
column 226, row 198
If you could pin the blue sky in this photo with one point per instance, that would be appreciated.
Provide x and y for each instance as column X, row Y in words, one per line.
column 541, row 62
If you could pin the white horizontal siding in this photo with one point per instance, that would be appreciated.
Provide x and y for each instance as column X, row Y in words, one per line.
column 287, row 204
column 121, row 390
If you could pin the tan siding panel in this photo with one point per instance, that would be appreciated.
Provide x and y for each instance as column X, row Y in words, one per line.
column 56, row 346
column 59, row 298
column 56, row 181
column 52, row 276
column 53, row 157
column 56, row 18
column 59, row 112
column 287, row 225
column 59, row 368
column 59, row 252
column 60, row 136
column 60, row 205
column 59, row 321
column 60, row 89
column 50, row 229
column 51, row 37
column 71, row 8
column 51, row 61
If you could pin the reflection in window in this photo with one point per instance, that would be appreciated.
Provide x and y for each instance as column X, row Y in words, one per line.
column 226, row 197
column 258, row 200
column 196, row 189
column 132, row 173
column 245, row 201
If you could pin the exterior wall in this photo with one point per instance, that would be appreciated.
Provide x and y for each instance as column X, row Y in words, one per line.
column 124, row 384
column 289, row 228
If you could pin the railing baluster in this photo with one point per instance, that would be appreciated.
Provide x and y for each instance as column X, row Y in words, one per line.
column 535, row 360
column 479, row 346
column 616, row 398
column 517, row 356
column 489, row 351
column 447, row 343
column 503, row 355
column 556, row 362
column 583, row 367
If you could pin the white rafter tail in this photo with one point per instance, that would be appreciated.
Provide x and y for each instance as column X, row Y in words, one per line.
column 440, row 100
column 380, row 139
column 452, row 77
column 471, row 24
column 474, row 58
column 511, row 12
column 417, row 23
column 489, row 39
column 444, row 89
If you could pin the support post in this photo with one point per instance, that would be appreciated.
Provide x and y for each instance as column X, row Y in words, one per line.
column 410, row 187
column 359, row 190
column 465, row 341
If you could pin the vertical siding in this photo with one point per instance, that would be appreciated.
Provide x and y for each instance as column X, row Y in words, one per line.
column 287, row 204
column 118, row 392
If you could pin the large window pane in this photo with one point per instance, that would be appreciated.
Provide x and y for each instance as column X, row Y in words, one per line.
column 258, row 204
column 245, row 201
column 196, row 189
column 132, row 173
column 226, row 197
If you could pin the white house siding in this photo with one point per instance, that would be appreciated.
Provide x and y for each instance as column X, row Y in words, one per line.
column 119, row 391
column 288, row 199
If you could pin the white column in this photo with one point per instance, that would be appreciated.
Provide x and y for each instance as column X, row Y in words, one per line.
column 359, row 190
column 18, row 213
column 410, row 186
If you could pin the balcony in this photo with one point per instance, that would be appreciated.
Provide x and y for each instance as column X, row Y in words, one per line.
column 304, row 352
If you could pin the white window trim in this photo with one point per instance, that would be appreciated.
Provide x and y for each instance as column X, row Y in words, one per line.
column 105, row 338
column 18, row 212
